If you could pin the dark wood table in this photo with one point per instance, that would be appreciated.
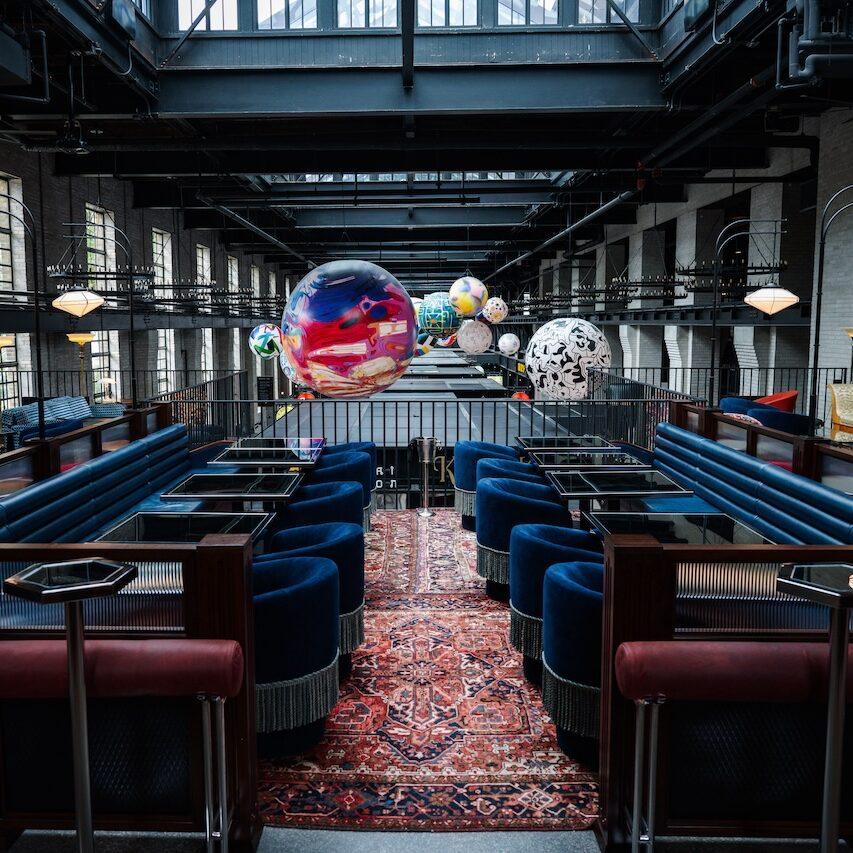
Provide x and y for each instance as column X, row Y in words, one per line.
column 678, row 528
column 174, row 527
column 527, row 443
column 273, row 491
column 269, row 458
column 610, row 488
column 596, row 458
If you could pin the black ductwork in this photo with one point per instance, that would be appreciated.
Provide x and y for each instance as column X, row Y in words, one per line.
column 817, row 36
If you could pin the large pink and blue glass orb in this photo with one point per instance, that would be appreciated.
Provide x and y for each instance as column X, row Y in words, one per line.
column 349, row 329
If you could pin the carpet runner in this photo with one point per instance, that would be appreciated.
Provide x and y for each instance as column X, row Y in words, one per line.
column 436, row 728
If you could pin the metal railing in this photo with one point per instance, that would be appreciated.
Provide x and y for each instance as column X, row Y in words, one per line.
column 19, row 386
column 739, row 381
column 392, row 424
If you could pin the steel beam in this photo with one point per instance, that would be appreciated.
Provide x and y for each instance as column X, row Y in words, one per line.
column 465, row 90
column 385, row 155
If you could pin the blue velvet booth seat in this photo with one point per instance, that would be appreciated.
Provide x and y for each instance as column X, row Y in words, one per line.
column 532, row 549
column 296, row 651
column 351, row 466
column 344, row 545
column 510, row 469
column 571, row 655
column 466, row 455
column 768, row 416
column 502, row 504
column 322, row 503
column 79, row 504
column 367, row 447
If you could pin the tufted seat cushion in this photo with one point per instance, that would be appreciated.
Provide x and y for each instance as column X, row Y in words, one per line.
column 319, row 503
column 532, row 549
column 502, row 504
column 38, row 669
column 466, row 455
column 296, row 645
column 571, row 654
column 509, row 468
column 344, row 545
column 783, row 506
column 714, row 671
column 77, row 504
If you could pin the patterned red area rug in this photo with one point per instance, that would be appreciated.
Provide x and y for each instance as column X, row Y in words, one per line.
column 436, row 728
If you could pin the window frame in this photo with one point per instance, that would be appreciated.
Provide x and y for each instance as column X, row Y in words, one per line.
column 447, row 25
column 527, row 24
column 204, row 25
column 288, row 18
column 367, row 16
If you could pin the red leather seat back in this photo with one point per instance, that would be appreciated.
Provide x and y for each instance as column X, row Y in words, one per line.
column 723, row 671
column 38, row 669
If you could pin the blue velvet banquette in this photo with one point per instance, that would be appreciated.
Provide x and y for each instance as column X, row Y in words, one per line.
column 785, row 507
column 77, row 505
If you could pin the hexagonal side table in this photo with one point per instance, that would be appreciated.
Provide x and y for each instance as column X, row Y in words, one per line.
column 830, row 584
column 71, row 584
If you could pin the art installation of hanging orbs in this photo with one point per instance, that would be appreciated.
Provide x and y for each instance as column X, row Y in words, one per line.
column 509, row 344
column 468, row 295
column 437, row 316
column 266, row 341
column 559, row 356
column 349, row 329
column 495, row 310
column 474, row 337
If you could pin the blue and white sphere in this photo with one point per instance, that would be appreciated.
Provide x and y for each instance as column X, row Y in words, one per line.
column 437, row 316
column 474, row 337
column 560, row 355
column 266, row 341
column 509, row 344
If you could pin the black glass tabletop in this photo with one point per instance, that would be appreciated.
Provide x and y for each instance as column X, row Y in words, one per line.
column 583, row 459
column 185, row 526
column 825, row 583
column 627, row 483
column 73, row 580
column 256, row 441
column 257, row 487
column 271, row 457
column 679, row 528
column 560, row 442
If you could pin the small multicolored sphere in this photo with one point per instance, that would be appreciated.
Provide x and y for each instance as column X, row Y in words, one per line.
column 286, row 367
column 266, row 341
column 468, row 295
column 424, row 344
column 437, row 316
column 495, row 310
column 474, row 337
column 449, row 341
column 416, row 304
column 509, row 344
column 560, row 355
column 349, row 329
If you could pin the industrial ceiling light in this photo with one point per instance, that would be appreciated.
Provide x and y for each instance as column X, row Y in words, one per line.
column 78, row 302
column 771, row 300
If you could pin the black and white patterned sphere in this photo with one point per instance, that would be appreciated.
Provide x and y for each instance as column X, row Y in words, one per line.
column 560, row 354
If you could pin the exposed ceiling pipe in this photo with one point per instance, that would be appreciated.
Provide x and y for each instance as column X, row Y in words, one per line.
column 664, row 154
column 226, row 211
